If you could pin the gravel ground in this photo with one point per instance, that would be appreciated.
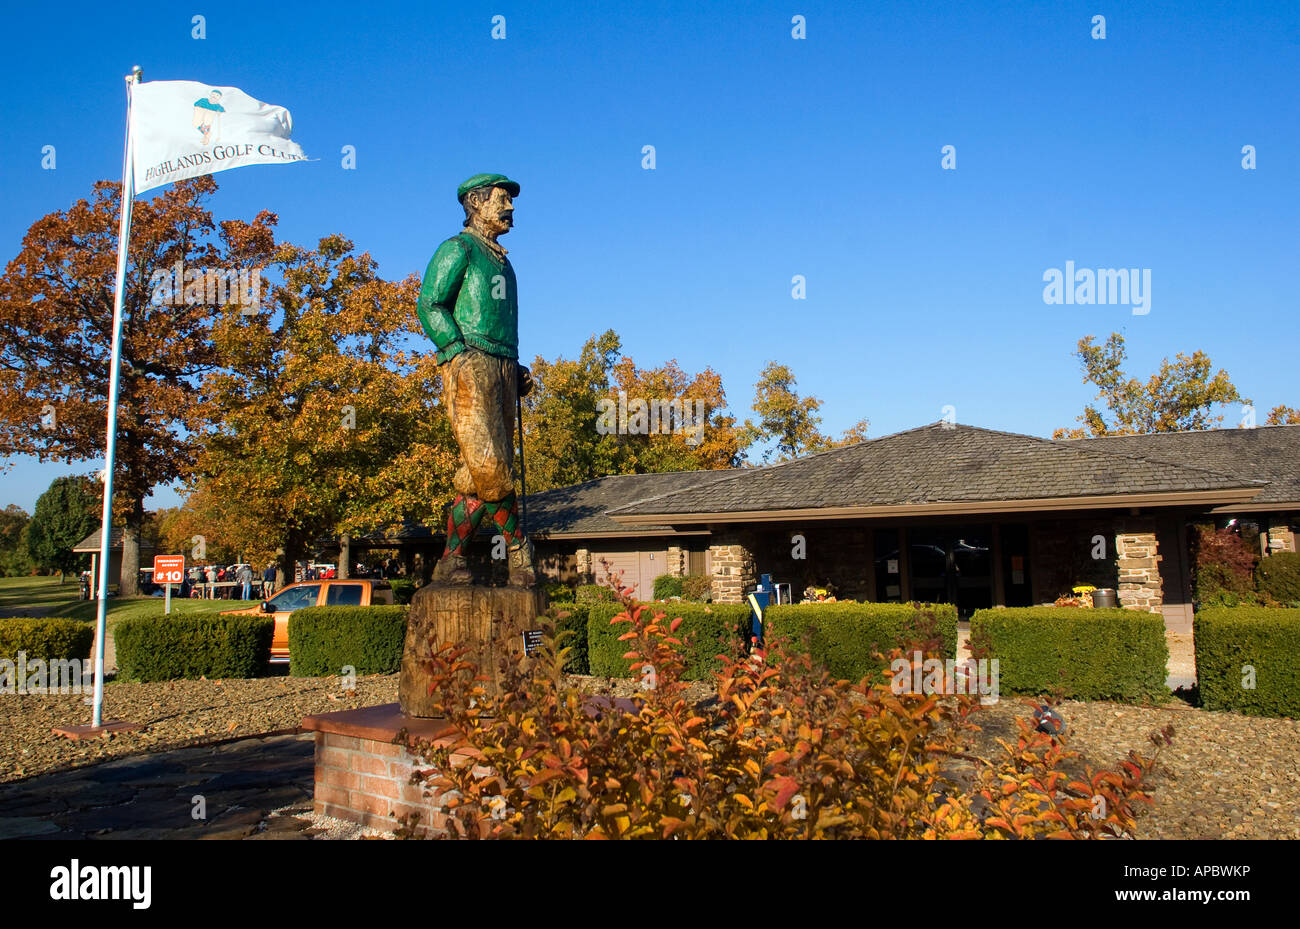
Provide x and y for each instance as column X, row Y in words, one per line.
column 177, row 714
column 327, row 827
column 1225, row 776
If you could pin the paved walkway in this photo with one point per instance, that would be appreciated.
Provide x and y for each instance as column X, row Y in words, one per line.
column 236, row 786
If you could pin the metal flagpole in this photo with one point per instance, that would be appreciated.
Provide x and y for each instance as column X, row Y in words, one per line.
column 105, row 531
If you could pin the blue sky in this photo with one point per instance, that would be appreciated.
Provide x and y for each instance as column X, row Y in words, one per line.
column 774, row 157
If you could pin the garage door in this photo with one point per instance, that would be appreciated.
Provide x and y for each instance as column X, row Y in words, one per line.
column 653, row 564
column 626, row 562
column 639, row 569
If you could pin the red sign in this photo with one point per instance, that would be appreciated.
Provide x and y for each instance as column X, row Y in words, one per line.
column 168, row 569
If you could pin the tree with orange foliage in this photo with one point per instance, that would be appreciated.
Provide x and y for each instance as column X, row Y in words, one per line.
column 1282, row 415
column 56, row 312
column 709, row 438
column 321, row 420
column 567, row 443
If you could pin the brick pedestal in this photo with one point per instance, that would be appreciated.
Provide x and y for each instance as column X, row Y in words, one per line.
column 362, row 776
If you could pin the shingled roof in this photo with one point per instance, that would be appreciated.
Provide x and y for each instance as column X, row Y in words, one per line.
column 1269, row 453
column 91, row 542
column 580, row 510
column 941, row 467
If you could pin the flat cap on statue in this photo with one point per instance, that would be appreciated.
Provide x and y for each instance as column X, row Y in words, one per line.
column 487, row 180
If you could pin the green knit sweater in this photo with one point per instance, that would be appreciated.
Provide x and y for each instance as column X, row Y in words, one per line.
column 469, row 298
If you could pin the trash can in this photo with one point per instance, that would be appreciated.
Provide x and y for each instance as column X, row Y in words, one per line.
column 1105, row 598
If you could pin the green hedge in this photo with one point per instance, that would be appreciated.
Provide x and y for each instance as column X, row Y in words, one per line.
column 1268, row 640
column 572, row 617
column 595, row 593
column 1278, row 575
column 403, row 590
column 844, row 636
column 712, row 629
column 1085, row 654
column 325, row 639
column 559, row 593
column 163, row 648
column 48, row 639
column 667, row 586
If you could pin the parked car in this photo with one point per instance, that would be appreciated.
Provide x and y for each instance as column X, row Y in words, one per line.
column 351, row 592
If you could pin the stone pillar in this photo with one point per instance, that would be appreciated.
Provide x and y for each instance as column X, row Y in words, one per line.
column 1280, row 536
column 676, row 561
column 1137, row 556
column 583, row 566
column 733, row 568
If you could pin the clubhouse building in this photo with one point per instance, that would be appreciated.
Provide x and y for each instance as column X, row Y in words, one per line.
column 944, row 513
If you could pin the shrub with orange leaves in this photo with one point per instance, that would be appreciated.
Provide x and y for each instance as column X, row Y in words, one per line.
column 784, row 751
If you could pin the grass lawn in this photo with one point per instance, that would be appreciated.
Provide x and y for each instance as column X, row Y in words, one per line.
column 43, row 593
column 26, row 594
column 152, row 606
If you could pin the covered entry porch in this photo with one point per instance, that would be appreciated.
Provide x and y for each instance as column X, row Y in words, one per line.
column 981, row 561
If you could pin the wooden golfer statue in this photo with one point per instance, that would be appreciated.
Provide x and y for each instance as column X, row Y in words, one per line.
column 469, row 307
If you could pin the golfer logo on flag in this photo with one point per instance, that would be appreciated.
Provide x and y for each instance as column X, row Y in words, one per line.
column 207, row 116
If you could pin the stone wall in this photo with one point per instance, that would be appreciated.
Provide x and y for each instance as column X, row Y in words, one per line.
column 1062, row 555
column 676, row 561
column 818, row 556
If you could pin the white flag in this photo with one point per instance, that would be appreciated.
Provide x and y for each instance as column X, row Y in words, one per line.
column 183, row 129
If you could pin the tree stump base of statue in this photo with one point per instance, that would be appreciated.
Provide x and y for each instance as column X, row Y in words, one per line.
column 489, row 621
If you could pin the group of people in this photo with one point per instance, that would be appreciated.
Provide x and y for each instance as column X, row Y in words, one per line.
column 217, row 582
column 241, row 576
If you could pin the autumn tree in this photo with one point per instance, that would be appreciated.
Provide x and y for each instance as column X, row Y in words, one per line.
column 1283, row 416
column 65, row 514
column 200, row 530
column 321, row 421
column 1178, row 397
column 562, row 446
column 788, row 423
column 694, row 431
column 855, row 433
column 56, row 314
column 572, row 419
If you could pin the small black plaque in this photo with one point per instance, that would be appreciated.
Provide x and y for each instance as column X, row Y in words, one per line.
column 532, row 640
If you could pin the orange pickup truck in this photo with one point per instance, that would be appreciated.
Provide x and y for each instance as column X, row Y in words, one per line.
column 358, row 592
